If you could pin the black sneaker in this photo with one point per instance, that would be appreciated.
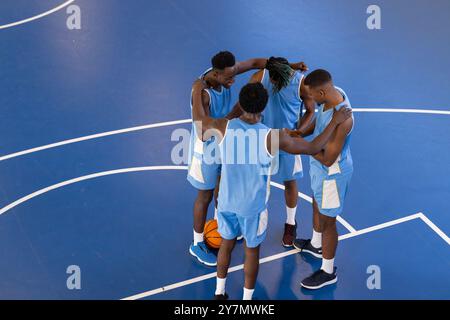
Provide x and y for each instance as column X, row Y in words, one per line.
column 319, row 279
column 304, row 245
column 221, row 297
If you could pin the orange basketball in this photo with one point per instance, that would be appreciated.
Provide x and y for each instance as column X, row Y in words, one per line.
column 211, row 235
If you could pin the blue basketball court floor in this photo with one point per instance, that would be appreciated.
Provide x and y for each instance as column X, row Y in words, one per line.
column 86, row 122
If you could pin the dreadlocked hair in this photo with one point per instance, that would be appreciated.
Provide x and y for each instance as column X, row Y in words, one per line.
column 280, row 72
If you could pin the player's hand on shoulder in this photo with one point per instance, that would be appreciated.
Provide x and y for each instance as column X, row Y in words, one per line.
column 343, row 114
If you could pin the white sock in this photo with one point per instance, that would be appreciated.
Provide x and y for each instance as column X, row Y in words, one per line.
column 328, row 265
column 220, row 286
column 215, row 213
column 290, row 215
column 316, row 240
column 248, row 293
column 198, row 237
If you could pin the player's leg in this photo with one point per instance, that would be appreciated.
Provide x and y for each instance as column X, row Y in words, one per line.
column 329, row 242
column 198, row 247
column 254, row 230
column 290, row 227
column 216, row 197
column 228, row 229
column 251, row 267
column 327, row 273
column 290, row 169
column 312, row 246
column 330, row 195
column 223, row 263
column 201, row 204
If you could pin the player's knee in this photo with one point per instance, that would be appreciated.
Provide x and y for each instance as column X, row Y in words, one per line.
column 290, row 185
column 251, row 252
column 227, row 245
column 327, row 222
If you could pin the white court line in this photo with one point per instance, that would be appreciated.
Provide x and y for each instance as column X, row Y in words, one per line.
column 125, row 170
column 435, row 228
column 169, row 123
column 94, row 136
column 420, row 111
column 380, row 226
column 345, row 223
column 65, row 4
column 355, row 233
column 272, row 258
column 87, row 177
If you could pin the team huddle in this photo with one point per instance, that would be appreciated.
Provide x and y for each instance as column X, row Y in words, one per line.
column 235, row 151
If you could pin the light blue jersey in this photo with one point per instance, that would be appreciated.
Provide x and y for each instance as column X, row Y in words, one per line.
column 204, row 167
column 283, row 107
column 245, row 181
column 344, row 162
column 283, row 111
column 330, row 184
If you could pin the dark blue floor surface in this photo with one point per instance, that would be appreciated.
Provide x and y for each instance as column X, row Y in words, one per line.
column 132, row 64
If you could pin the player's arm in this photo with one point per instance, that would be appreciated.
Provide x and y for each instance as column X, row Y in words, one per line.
column 260, row 63
column 306, row 124
column 205, row 125
column 298, row 145
column 250, row 64
column 236, row 112
column 333, row 148
column 307, row 120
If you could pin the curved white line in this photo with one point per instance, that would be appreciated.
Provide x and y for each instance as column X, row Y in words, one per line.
column 169, row 123
column 93, row 136
column 108, row 173
column 65, row 4
column 87, row 177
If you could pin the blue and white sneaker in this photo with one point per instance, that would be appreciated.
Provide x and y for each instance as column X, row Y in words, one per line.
column 203, row 255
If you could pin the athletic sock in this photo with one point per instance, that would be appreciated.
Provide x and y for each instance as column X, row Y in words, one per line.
column 316, row 240
column 248, row 294
column 290, row 215
column 198, row 237
column 328, row 265
column 220, row 286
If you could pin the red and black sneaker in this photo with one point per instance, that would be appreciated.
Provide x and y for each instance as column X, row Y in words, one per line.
column 290, row 233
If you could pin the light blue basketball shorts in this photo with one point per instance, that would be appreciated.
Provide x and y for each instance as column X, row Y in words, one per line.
column 289, row 167
column 253, row 228
column 203, row 176
column 330, row 191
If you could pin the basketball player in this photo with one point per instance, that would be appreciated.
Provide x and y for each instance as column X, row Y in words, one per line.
column 203, row 172
column 331, row 171
column 246, row 150
column 286, row 95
